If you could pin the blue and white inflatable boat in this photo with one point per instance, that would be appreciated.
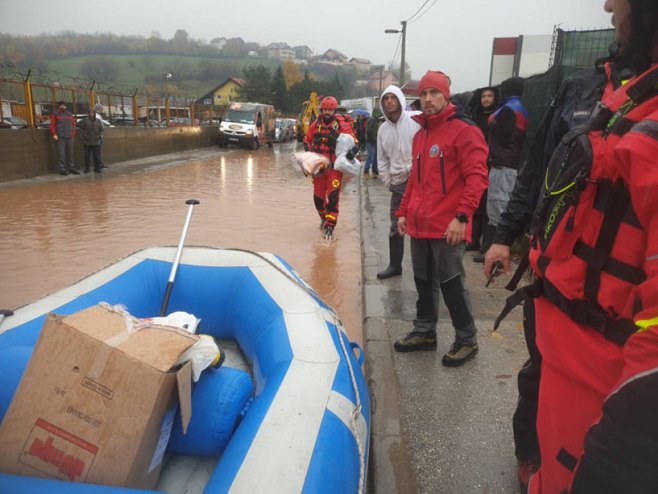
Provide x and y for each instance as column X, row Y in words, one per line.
column 303, row 418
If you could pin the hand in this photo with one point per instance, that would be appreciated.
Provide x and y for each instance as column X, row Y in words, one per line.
column 352, row 153
column 497, row 252
column 402, row 225
column 455, row 232
column 55, row 137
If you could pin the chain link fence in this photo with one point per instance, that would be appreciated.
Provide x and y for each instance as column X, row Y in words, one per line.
column 571, row 51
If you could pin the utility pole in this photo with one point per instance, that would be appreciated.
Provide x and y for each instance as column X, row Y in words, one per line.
column 403, row 31
column 404, row 46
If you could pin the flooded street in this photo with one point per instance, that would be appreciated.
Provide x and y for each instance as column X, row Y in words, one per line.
column 56, row 230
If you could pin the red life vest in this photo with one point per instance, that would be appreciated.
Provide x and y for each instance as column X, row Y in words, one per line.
column 325, row 138
column 589, row 247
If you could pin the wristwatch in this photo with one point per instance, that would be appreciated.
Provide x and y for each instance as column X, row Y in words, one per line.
column 461, row 217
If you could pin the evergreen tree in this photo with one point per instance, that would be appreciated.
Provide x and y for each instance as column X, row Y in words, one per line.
column 258, row 85
column 279, row 91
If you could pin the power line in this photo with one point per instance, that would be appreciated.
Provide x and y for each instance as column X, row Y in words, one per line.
column 425, row 12
column 421, row 8
column 397, row 48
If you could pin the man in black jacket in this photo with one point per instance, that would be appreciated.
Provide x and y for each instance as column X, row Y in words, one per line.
column 483, row 103
column 506, row 133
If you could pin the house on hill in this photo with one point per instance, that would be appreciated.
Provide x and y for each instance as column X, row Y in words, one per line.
column 226, row 92
column 361, row 65
column 410, row 88
column 330, row 57
column 381, row 79
column 219, row 42
column 303, row 52
column 280, row 51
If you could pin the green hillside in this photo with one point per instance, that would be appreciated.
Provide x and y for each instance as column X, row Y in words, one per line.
column 137, row 71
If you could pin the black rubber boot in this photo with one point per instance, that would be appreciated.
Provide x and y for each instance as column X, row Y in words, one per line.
column 396, row 248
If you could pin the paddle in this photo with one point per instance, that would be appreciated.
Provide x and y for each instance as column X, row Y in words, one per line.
column 179, row 252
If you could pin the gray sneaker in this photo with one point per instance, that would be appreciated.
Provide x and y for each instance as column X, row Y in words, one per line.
column 459, row 354
column 415, row 341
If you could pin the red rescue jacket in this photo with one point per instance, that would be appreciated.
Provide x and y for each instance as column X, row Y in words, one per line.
column 448, row 174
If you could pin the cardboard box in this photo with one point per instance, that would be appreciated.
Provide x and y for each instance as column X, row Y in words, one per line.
column 96, row 403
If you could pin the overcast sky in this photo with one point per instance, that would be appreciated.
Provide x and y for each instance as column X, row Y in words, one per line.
column 453, row 35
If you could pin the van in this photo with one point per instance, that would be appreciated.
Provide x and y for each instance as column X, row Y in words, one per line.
column 248, row 125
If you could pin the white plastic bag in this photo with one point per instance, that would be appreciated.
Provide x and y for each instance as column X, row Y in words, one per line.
column 178, row 319
column 202, row 355
column 344, row 144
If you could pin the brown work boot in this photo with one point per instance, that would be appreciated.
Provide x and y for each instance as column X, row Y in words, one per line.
column 415, row 341
column 459, row 354
column 524, row 470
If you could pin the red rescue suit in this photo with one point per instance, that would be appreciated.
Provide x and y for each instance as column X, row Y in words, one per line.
column 321, row 138
column 595, row 253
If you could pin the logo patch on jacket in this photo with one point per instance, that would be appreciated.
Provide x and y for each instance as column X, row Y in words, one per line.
column 434, row 151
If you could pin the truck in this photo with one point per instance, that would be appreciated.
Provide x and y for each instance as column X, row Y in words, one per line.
column 248, row 125
column 310, row 111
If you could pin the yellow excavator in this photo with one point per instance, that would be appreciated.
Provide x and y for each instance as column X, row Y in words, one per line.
column 310, row 111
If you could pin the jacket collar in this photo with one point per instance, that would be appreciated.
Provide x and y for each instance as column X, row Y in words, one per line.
column 431, row 121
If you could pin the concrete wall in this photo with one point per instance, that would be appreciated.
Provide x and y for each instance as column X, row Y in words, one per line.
column 27, row 153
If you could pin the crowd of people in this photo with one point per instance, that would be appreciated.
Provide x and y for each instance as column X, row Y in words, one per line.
column 587, row 199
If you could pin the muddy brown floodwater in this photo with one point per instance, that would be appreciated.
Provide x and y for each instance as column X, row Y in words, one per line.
column 56, row 230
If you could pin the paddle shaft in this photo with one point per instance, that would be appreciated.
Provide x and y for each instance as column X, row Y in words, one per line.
column 179, row 252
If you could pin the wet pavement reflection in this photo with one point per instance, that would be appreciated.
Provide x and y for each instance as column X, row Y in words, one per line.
column 56, row 230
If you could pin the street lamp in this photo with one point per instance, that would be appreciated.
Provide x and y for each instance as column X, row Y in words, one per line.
column 404, row 44
column 165, row 77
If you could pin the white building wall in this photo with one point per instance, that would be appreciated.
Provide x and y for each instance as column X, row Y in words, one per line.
column 535, row 54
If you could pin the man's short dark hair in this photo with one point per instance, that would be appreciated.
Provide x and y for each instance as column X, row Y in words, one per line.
column 60, row 103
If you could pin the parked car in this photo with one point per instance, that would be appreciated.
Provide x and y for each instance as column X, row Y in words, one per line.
column 291, row 128
column 123, row 122
column 154, row 123
column 13, row 123
column 280, row 130
column 182, row 122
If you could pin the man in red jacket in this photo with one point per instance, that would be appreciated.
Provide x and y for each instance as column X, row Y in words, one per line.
column 321, row 138
column 448, row 176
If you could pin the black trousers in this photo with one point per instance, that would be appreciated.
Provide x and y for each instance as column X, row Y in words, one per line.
column 94, row 151
column 524, row 422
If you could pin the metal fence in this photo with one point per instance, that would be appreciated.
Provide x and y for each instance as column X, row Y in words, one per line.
column 571, row 51
column 27, row 103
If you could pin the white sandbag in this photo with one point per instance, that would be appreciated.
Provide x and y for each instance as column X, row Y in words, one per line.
column 311, row 163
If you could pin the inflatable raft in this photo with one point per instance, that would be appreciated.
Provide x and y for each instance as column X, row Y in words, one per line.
column 305, row 426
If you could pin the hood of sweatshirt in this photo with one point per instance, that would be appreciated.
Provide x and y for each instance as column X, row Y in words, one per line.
column 397, row 92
